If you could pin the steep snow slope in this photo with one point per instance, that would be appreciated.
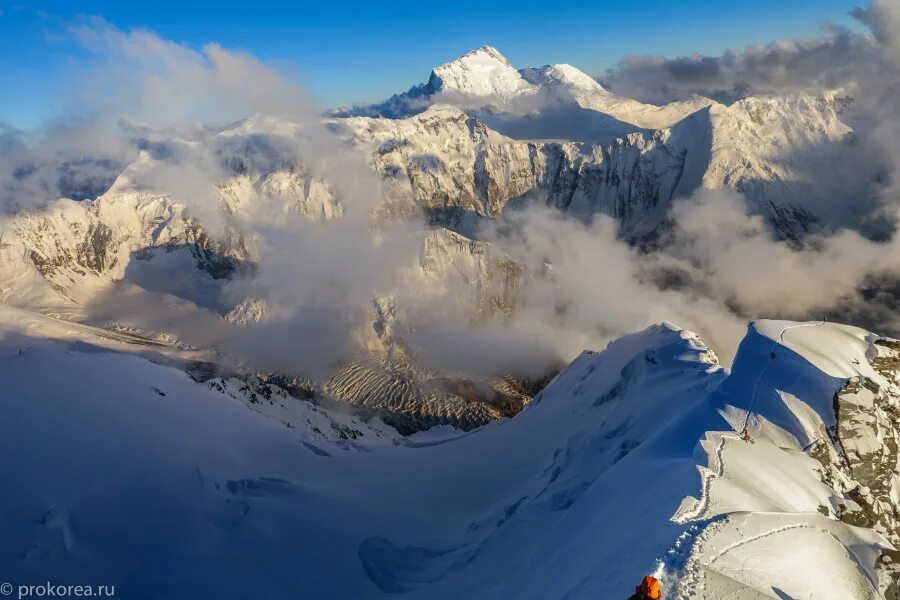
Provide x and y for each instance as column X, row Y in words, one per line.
column 784, row 390
column 585, row 491
column 480, row 73
column 24, row 331
column 776, row 151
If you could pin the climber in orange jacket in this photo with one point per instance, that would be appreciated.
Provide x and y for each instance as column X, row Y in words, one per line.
column 648, row 590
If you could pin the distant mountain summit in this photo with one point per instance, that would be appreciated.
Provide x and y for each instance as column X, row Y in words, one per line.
column 484, row 78
column 554, row 134
column 481, row 72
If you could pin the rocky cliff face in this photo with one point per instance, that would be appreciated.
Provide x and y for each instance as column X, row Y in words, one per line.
column 863, row 461
column 66, row 252
column 486, row 283
column 459, row 170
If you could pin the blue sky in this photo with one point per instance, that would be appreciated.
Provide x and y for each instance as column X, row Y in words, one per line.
column 364, row 51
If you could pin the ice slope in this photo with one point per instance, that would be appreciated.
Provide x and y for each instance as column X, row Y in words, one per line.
column 20, row 328
column 190, row 494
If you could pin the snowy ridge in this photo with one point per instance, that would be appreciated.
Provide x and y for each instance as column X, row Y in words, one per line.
column 555, row 498
column 781, row 389
column 481, row 72
column 485, row 79
column 564, row 83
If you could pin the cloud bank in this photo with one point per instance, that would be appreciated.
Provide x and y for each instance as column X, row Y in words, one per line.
column 835, row 59
column 717, row 267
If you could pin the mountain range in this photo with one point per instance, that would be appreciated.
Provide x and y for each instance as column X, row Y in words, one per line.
column 140, row 314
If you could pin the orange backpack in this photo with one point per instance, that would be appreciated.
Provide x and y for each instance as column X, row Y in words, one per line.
column 649, row 588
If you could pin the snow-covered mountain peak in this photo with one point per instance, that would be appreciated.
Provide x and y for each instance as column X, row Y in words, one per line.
column 484, row 78
column 484, row 52
column 481, row 72
column 562, row 75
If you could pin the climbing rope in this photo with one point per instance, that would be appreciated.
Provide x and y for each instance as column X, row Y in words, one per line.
column 744, row 432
